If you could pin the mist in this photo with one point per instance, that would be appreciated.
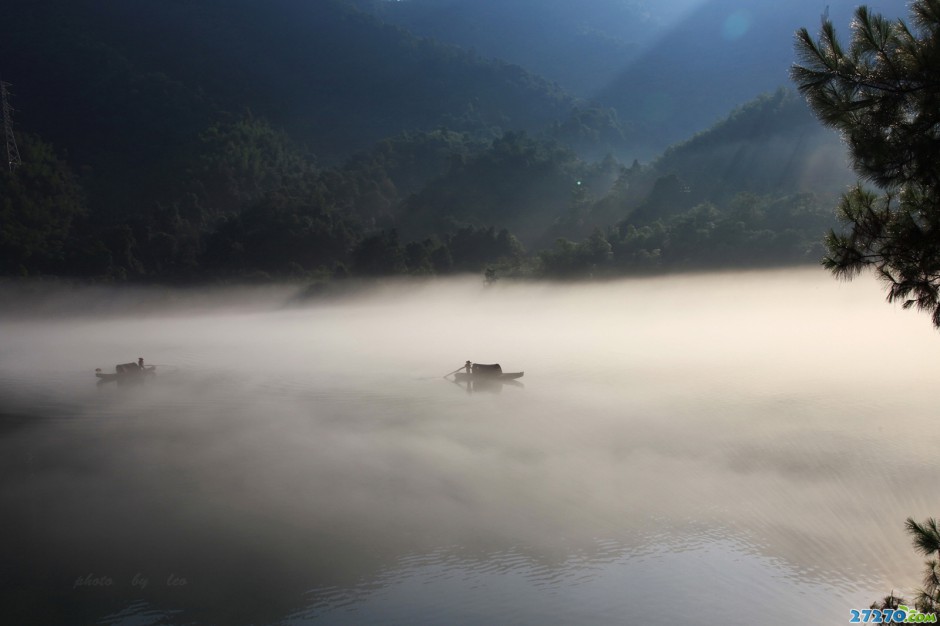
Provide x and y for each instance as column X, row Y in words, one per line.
column 676, row 444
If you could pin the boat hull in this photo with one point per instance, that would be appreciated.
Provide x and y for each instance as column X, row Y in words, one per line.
column 126, row 377
column 465, row 377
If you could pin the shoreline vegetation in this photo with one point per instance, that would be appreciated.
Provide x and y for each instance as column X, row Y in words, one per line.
column 543, row 214
column 56, row 297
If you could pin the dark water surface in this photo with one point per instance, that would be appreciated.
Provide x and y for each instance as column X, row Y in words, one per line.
column 718, row 449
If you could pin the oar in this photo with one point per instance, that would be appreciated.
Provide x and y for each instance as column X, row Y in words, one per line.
column 454, row 372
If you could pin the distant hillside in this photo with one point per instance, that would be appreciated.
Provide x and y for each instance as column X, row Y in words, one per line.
column 518, row 183
column 755, row 189
column 110, row 79
column 771, row 146
column 580, row 44
column 669, row 69
column 723, row 53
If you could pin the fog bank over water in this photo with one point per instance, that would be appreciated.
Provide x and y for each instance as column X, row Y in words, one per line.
column 677, row 444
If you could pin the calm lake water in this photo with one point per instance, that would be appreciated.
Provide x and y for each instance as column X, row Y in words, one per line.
column 713, row 449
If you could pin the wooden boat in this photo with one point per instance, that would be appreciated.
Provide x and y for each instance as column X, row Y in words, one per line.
column 126, row 373
column 487, row 376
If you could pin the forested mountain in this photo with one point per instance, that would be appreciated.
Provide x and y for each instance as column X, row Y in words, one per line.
column 756, row 188
column 670, row 69
column 771, row 145
column 173, row 115
column 336, row 79
column 206, row 140
column 721, row 54
column 580, row 45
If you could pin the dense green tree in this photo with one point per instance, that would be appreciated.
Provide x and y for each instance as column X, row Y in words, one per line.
column 588, row 258
column 236, row 163
column 925, row 537
column 519, row 183
column 39, row 202
column 280, row 237
column 882, row 92
column 591, row 131
column 380, row 254
column 639, row 248
column 749, row 230
column 471, row 249
column 373, row 183
column 418, row 258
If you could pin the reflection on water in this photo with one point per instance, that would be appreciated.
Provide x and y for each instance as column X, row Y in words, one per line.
column 709, row 449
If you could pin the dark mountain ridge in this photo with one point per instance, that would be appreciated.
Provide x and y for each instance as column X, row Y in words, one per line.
column 580, row 45
column 206, row 140
column 723, row 53
column 335, row 78
column 669, row 69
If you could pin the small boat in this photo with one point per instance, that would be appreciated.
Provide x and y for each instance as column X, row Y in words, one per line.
column 464, row 377
column 482, row 372
column 126, row 373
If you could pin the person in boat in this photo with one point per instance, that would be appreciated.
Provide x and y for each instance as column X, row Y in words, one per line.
column 469, row 367
column 140, row 363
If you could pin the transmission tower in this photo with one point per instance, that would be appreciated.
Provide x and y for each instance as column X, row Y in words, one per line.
column 13, row 153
